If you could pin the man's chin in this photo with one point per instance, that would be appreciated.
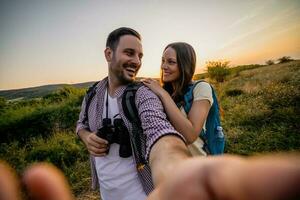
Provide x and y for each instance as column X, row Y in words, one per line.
column 128, row 79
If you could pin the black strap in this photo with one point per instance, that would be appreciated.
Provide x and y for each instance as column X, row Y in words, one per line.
column 131, row 112
column 88, row 99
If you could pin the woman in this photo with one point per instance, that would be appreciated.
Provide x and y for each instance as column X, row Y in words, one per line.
column 177, row 70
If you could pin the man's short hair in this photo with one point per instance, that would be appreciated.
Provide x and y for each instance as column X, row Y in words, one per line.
column 114, row 37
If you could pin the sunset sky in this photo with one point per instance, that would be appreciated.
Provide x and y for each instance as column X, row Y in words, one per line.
column 62, row 41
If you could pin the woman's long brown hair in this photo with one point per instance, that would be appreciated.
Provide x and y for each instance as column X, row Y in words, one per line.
column 186, row 61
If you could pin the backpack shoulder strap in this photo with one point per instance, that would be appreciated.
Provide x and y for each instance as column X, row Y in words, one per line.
column 131, row 113
column 189, row 96
column 128, row 102
column 88, row 99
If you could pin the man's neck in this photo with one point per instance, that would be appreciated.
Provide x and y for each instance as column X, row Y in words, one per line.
column 113, row 85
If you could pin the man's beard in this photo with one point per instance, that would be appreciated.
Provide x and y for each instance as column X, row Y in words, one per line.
column 122, row 76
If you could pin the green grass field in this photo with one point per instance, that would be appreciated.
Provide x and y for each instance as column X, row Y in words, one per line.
column 260, row 114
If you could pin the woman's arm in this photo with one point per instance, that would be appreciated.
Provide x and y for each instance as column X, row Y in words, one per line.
column 189, row 127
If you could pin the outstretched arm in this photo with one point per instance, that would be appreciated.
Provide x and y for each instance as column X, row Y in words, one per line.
column 166, row 154
column 189, row 127
column 232, row 177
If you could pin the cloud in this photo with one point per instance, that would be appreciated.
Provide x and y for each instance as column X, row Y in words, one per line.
column 279, row 21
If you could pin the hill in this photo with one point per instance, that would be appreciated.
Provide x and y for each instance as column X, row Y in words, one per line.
column 262, row 109
column 35, row 92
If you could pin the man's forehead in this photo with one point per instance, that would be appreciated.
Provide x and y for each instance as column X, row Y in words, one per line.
column 130, row 41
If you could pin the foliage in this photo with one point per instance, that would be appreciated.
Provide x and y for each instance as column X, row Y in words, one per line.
column 200, row 76
column 265, row 116
column 3, row 103
column 218, row 70
column 234, row 92
column 31, row 118
column 284, row 59
column 62, row 149
column 270, row 62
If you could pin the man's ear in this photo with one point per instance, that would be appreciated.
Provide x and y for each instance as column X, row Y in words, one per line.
column 108, row 54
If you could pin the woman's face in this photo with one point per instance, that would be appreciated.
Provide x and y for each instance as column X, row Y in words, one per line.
column 169, row 66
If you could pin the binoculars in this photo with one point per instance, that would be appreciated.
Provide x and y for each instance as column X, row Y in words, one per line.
column 116, row 133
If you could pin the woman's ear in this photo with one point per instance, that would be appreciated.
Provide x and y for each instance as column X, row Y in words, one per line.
column 108, row 54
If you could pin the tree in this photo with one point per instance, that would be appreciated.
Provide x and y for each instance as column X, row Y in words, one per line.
column 270, row 62
column 284, row 59
column 218, row 70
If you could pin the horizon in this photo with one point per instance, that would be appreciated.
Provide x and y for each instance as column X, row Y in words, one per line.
column 47, row 43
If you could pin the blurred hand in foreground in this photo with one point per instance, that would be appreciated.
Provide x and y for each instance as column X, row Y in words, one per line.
column 221, row 177
column 40, row 181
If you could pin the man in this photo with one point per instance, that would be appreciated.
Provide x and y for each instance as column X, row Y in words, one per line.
column 118, row 177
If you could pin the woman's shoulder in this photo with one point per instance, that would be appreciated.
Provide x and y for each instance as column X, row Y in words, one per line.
column 202, row 90
column 202, row 85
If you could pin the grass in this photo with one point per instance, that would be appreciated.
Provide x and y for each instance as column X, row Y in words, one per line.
column 261, row 109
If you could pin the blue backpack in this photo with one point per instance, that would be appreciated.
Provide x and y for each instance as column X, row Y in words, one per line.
column 213, row 136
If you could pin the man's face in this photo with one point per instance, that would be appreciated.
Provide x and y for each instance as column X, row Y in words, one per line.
column 126, row 59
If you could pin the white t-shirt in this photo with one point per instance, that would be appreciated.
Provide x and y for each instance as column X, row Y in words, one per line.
column 202, row 91
column 118, row 178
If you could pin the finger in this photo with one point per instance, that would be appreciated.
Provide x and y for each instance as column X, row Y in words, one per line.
column 98, row 139
column 147, row 80
column 45, row 182
column 9, row 185
column 98, row 155
column 94, row 150
column 92, row 143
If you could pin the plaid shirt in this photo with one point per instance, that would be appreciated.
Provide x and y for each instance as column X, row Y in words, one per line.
column 153, row 119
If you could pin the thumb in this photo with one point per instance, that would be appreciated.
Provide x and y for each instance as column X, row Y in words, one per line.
column 45, row 182
column 9, row 184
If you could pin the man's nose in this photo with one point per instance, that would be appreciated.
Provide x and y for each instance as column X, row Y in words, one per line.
column 137, row 60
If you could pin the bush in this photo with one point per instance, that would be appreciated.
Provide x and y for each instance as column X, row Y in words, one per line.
column 218, row 70
column 3, row 103
column 63, row 149
column 284, row 59
column 234, row 92
column 270, row 62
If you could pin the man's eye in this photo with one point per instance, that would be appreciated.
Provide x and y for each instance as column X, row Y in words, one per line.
column 128, row 53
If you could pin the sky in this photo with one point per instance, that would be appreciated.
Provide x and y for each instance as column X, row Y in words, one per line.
column 62, row 41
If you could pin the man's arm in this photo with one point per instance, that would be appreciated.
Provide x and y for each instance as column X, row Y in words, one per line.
column 165, row 155
column 165, row 146
column 272, row 177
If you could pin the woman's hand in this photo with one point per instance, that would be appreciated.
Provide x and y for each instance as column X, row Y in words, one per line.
column 154, row 86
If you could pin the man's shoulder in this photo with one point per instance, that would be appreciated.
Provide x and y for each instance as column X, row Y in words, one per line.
column 145, row 91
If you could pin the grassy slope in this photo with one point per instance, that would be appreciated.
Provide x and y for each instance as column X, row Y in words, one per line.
column 261, row 109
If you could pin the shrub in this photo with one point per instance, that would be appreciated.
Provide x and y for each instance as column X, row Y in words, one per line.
column 234, row 92
column 218, row 70
column 284, row 59
column 270, row 62
column 199, row 76
column 3, row 103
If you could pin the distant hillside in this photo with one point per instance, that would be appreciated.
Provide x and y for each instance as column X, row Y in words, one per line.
column 35, row 92
column 39, row 91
